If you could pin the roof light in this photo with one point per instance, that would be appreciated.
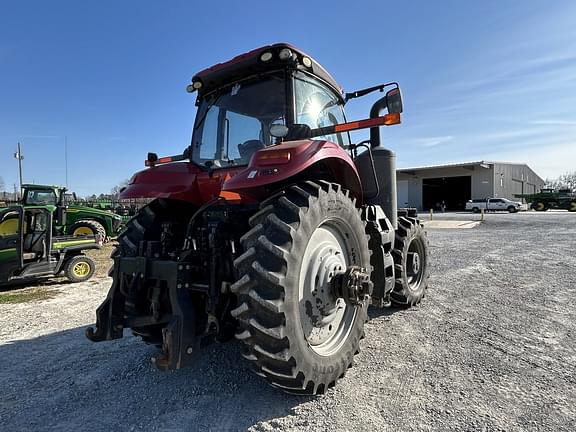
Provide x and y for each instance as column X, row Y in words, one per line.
column 266, row 56
column 285, row 54
column 196, row 85
column 306, row 61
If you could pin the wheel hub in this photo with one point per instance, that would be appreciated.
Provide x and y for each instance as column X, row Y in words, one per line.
column 81, row 269
column 324, row 315
column 414, row 262
column 354, row 285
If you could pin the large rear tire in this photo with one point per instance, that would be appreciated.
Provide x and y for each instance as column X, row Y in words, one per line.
column 411, row 268
column 296, row 333
column 88, row 227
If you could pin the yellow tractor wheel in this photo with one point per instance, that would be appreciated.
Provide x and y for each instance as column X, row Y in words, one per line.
column 81, row 231
column 539, row 206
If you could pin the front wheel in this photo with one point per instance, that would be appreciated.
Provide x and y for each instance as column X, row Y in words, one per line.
column 298, row 332
column 539, row 206
column 80, row 268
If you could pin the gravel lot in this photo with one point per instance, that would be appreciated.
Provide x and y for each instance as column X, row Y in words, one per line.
column 492, row 347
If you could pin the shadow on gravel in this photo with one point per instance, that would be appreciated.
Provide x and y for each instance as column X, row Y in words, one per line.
column 35, row 283
column 62, row 381
column 374, row 312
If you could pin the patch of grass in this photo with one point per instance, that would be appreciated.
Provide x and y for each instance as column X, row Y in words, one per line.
column 29, row 295
column 102, row 258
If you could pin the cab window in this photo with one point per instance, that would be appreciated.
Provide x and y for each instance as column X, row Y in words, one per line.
column 40, row 197
column 317, row 106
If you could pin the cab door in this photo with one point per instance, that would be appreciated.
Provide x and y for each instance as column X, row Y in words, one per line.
column 11, row 222
column 494, row 204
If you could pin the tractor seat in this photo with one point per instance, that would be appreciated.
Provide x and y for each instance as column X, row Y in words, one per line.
column 35, row 244
column 248, row 148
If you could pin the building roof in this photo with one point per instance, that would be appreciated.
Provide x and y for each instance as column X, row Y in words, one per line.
column 457, row 165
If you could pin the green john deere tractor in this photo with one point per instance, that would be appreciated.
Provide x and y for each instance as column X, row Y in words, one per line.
column 78, row 220
column 547, row 198
column 32, row 249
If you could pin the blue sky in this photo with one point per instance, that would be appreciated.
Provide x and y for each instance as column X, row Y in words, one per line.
column 493, row 80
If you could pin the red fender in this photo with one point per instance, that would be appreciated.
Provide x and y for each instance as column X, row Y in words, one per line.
column 280, row 163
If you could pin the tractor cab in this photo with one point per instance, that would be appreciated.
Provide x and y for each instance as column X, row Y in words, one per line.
column 282, row 91
column 30, row 247
column 42, row 195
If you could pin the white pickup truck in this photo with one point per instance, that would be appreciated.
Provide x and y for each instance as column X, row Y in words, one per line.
column 495, row 204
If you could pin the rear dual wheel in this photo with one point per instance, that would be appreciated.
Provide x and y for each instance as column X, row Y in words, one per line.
column 411, row 268
column 296, row 332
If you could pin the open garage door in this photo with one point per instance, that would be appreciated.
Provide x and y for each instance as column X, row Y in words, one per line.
column 454, row 191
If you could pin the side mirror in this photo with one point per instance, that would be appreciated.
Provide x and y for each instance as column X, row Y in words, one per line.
column 278, row 130
column 394, row 101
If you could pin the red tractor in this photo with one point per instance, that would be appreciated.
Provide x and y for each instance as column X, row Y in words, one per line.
column 271, row 226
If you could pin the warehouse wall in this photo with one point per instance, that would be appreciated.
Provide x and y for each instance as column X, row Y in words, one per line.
column 512, row 179
column 482, row 182
column 487, row 180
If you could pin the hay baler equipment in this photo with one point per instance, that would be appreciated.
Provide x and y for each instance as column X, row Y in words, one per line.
column 272, row 226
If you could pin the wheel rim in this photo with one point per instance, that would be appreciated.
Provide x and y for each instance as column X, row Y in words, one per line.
column 81, row 269
column 82, row 231
column 325, row 319
column 415, row 263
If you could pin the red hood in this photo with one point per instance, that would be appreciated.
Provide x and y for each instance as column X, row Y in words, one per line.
column 179, row 180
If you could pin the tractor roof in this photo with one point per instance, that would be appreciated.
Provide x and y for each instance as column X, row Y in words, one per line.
column 43, row 187
column 251, row 63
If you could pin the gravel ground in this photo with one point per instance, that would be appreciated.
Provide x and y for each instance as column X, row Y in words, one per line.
column 492, row 347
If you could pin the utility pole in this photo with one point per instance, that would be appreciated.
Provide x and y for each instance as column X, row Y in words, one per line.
column 18, row 155
column 66, row 158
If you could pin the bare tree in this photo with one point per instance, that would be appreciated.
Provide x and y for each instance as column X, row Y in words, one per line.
column 552, row 183
column 566, row 180
column 115, row 191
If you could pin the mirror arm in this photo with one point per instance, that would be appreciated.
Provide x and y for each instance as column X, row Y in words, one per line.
column 364, row 92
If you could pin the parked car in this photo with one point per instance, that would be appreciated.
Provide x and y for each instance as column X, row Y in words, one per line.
column 495, row 204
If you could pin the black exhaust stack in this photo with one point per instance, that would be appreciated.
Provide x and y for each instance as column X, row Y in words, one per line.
column 382, row 189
